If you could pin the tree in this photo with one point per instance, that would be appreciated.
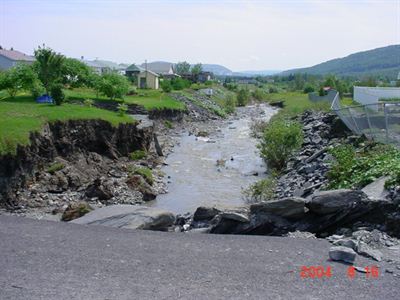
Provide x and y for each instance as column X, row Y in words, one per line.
column 243, row 97
column 48, row 66
column 75, row 73
column 113, row 85
column 197, row 69
column 182, row 68
column 308, row 89
column 20, row 77
column 166, row 86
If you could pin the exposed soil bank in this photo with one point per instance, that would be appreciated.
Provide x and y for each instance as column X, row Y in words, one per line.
column 66, row 140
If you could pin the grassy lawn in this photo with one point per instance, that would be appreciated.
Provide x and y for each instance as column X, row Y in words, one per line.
column 22, row 115
column 150, row 99
column 296, row 102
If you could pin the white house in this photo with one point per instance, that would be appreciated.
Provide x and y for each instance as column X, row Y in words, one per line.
column 10, row 58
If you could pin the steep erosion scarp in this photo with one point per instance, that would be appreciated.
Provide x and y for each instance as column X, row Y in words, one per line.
column 65, row 139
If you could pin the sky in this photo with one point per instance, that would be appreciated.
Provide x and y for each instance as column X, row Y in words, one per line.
column 241, row 35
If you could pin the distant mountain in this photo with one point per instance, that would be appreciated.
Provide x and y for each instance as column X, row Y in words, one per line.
column 383, row 61
column 259, row 72
column 217, row 69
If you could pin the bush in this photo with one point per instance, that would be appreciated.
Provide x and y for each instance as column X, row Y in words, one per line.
column 262, row 190
column 179, row 83
column 168, row 124
column 243, row 97
column 356, row 169
column 280, row 140
column 113, row 85
column 258, row 94
column 137, row 155
column 308, row 89
column 55, row 167
column 122, row 109
column 88, row 102
column 272, row 90
column 208, row 83
column 229, row 104
column 145, row 173
column 166, row 86
column 57, row 94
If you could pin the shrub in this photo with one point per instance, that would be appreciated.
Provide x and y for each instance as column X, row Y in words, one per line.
column 88, row 102
column 356, row 169
column 208, row 83
column 280, row 139
column 137, row 155
column 144, row 172
column 258, row 94
column 57, row 94
column 179, row 83
column 229, row 104
column 308, row 89
column 272, row 90
column 166, row 86
column 55, row 167
column 122, row 109
column 243, row 97
column 262, row 190
column 168, row 124
column 113, row 85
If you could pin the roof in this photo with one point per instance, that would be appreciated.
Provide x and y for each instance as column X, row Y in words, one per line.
column 103, row 64
column 159, row 67
column 151, row 72
column 16, row 55
column 133, row 68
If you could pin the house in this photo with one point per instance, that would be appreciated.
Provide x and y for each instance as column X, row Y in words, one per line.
column 148, row 79
column 160, row 67
column 133, row 70
column 104, row 66
column 10, row 58
column 204, row 76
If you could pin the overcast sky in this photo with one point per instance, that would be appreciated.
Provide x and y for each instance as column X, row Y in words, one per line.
column 241, row 35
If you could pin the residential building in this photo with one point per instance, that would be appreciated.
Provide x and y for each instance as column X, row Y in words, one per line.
column 10, row 58
column 160, row 67
column 148, row 79
column 133, row 70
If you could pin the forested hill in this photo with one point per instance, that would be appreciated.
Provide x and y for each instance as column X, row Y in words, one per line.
column 383, row 61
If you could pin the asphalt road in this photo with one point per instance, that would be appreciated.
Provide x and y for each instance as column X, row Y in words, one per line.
column 51, row 260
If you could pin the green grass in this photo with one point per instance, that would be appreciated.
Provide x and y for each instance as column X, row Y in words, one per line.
column 296, row 103
column 150, row 99
column 145, row 172
column 22, row 115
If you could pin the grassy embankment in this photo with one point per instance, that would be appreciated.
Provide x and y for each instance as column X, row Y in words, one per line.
column 150, row 99
column 22, row 115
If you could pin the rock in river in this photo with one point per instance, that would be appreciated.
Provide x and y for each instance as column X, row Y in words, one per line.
column 129, row 216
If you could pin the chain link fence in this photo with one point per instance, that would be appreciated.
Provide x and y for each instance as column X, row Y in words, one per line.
column 378, row 121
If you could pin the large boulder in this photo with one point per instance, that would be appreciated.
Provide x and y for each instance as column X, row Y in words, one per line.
column 203, row 213
column 129, row 216
column 329, row 202
column 99, row 189
column 340, row 253
column 290, row 208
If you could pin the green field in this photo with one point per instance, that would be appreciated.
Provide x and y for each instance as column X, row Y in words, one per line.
column 150, row 99
column 296, row 103
column 20, row 116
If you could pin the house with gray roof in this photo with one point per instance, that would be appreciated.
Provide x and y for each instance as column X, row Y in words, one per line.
column 160, row 67
column 10, row 58
column 104, row 66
